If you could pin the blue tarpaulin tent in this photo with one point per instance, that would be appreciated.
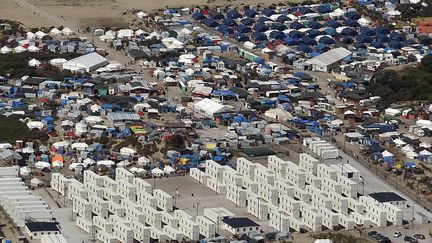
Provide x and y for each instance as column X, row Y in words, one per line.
column 290, row 41
column 210, row 23
column 322, row 47
column 346, row 40
column 397, row 36
column 278, row 26
column 349, row 31
column 377, row 44
column 381, row 30
column 198, row 16
column 327, row 40
column 330, row 31
column 352, row 23
column 305, row 10
column 282, row 18
column 395, row 44
column 278, row 35
column 315, row 25
column 260, row 27
column 324, row 8
column 225, row 30
column 229, row 22
column 352, row 15
column 247, row 21
column 217, row 15
column 363, row 39
column 268, row 11
column 234, row 14
column 304, row 48
column 308, row 40
column 258, row 36
column 367, row 31
column 313, row 33
column 243, row 29
column 296, row 25
column 250, row 13
column 295, row 34
column 333, row 23
column 241, row 37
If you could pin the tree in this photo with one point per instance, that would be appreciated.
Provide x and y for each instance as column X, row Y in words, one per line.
column 426, row 63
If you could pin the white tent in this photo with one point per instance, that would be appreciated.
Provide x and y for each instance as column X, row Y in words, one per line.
column 88, row 63
column 143, row 161
column 406, row 149
column 67, row 123
column 30, row 35
column 141, row 15
column 136, row 170
column 74, row 165
column 41, row 164
column 425, row 152
column 106, row 37
column 80, row 128
column 123, row 163
column 278, row 114
column 127, row 151
column 387, row 154
column 399, row 142
column 425, row 145
column 125, row 33
column 35, row 182
column 93, row 119
column 35, row 124
column 95, row 108
column 157, row 172
column 5, row 50
column 169, row 170
column 57, row 61
column 25, row 171
column 210, row 107
column 19, row 49
column 61, row 144
column 139, row 32
column 392, row 112
column 40, row 34
column 105, row 162
column 34, row 63
column 57, row 164
column 79, row 146
column 411, row 155
column 55, row 31
column 28, row 150
column 88, row 162
column 67, row 31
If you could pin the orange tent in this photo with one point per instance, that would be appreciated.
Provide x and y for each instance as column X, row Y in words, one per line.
column 58, row 158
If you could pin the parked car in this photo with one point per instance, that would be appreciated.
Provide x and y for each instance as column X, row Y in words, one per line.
column 410, row 239
column 397, row 234
column 373, row 232
column 419, row 236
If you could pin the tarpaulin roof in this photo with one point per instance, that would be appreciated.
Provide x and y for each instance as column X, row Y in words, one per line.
column 247, row 21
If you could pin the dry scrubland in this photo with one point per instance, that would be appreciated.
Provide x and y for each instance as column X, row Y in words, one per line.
column 100, row 12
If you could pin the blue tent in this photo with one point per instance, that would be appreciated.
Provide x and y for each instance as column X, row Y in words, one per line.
column 198, row 16
column 349, row 31
column 48, row 120
column 383, row 38
column 282, row 18
column 363, row 39
column 352, row 23
column 217, row 15
column 324, row 8
column 243, row 29
column 278, row 26
column 410, row 42
column 290, row 41
column 308, row 40
column 327, row 40
column 268, row 11
column 346, row 40
column 241, row 37
column 229, row 21
column 397, row 36
column 304, row 48
column 260, row 27
column 377, row 44
column 296, row 25
column 263, row 19
column 278, row 35
column 322, row 47
column 210, row 23
column 258, row 36
column 352, row 15
column 395, row 44
column 367, row 31
column 305, row 10
column 313, row 33
column 330, row 31
column 381, row 30
column 247, row 21
column 313, row 54
column 315, row 25
column 234, row 14
column 250, row 13
column 295, row 34
column 333, row 23
column 225, row 30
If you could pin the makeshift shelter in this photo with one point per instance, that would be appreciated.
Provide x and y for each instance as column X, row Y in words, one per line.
column 127, row 151
column 35, row 182
column 143, row 161
column 157, row 172
column 88, row 63
column 387, row 156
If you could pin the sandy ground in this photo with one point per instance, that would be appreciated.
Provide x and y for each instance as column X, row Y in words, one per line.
column 85, row 13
